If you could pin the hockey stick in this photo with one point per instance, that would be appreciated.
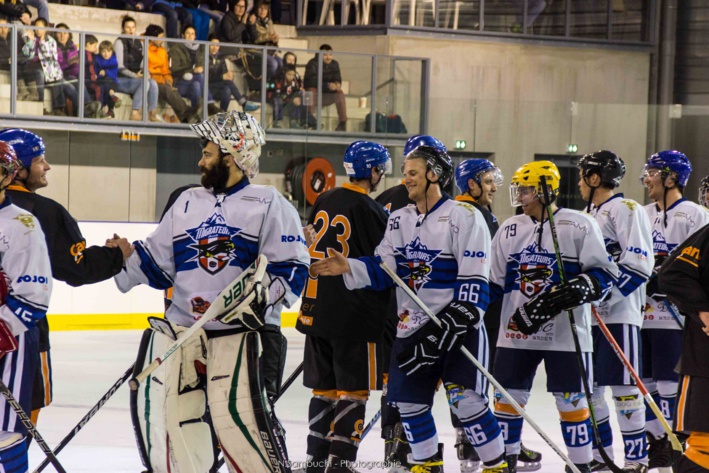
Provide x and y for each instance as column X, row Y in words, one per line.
column 227, row 300
column 676, row 445
column 672, row 309
column 31, row 428
column 291, row 379
column 65, row 441
column 481, row 368
column 575, row 335
column 371, row 424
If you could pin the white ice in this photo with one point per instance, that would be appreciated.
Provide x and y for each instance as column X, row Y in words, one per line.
column 87, row 363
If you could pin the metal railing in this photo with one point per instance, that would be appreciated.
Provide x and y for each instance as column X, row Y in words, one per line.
column 373, row 87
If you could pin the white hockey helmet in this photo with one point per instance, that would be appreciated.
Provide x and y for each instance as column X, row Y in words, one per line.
column 238, row 134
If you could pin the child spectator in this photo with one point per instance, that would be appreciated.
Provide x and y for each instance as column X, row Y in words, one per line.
column 93, row 88
column 221, row 81
column 106, row 67
column 286, row 96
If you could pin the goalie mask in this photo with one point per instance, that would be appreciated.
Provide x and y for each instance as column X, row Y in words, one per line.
column 9, row 164
column 238, row 134
column 528, row 178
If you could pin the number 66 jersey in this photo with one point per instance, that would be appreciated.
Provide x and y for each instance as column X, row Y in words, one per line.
column 524, row 263
column 442, row 256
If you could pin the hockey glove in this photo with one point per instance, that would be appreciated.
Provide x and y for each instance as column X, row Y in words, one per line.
column 653, row 289
column 455, row 320
column 8, row 342
column 423, row 353
column 250, row 311
column 548, row 304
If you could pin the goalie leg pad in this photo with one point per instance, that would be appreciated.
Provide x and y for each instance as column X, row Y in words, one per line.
column 169, row 411
column 273, row 357
column 249, row 436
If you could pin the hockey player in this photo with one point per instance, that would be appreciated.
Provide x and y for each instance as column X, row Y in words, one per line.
column 673, row 218
column 396, row 446
column 72, row 262
column 206, row 239
column 343, row 328
column 704, row 192
column 684, row 278
column 439, row 247
column 627, row 235
column 25, row 288
column 525, row 271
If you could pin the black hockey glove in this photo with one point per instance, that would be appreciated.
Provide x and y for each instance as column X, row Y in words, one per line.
column 424, row 353
column 548, row 304
column 455, row 320
column 653, row 289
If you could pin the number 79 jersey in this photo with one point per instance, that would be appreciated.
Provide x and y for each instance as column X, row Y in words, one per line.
column 525, row 264
column 346, row 219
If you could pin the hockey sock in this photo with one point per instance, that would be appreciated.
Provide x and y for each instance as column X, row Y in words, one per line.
column 600, row 407
column 630, row 409
column 321, row 415
column 511, row 424
column 652, row 424
column 575, row 425
column 349, row 424
column 420, row 429
column 13, row 458
column 484, row 433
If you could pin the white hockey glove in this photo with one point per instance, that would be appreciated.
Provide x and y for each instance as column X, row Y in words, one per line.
column 548, row 304
column 258, row 301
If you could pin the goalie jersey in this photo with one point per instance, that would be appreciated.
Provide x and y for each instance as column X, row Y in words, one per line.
column 348, row 220
column 524, row 263
column 442, row 256
column 205, row 241
column 683, row 219
column 25, row 261
column 626, row 232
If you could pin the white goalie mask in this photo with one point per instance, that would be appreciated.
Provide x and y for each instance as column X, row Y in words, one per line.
column 238, row 134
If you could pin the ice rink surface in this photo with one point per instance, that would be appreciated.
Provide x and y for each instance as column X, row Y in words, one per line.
column 86, row 364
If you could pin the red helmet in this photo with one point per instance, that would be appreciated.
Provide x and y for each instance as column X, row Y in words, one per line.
column 9, row 164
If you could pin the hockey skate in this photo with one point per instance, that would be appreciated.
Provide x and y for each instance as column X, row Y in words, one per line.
column 583, row 468
column 430, row 465
column 504, row 468
column 469, row 460
column 634, row 467
column 397, row 449
column 599, row 466
column 528, row 460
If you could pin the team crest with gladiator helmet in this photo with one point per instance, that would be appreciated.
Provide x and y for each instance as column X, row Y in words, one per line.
column 213, row 244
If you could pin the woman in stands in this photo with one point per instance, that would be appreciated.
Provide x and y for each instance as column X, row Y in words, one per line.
column 233, row 27
column 187, row 67
column 263, row 33
column 69, row 62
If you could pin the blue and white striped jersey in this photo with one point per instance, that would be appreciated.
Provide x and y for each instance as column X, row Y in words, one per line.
column 442, row 257
column 24, row 259
column 683, row 219
column 626, row 232
column 523, row 264
column 205, row 241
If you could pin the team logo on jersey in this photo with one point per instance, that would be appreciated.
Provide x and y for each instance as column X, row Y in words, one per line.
column 213, row 243
column 535, row 269
column 26, row 219
column 199, row 305
column 419, row 261
column 659, row 245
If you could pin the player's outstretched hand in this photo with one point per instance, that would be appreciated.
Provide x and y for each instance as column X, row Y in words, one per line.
column 310, row 234
column 117, row 242
column 335, row 265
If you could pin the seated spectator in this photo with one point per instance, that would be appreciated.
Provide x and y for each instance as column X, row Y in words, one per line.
column 233, row 26
column 187, row 67
column 106, row 67
column 5, row 47
column 42, row 8
column 263, row 33
column 290, row 58
column 93, row 88
column 11, row 10
column 332, row 85
column 200, row 19
column 129, row 55
column 215, row 9
column 221, row 81
column 175, row 14
column 158, row 65
column 43, row 47
column 29, row 71
column 69, row 62
column 286, row 96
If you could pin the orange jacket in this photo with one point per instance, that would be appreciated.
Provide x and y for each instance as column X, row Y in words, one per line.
column 159, row 64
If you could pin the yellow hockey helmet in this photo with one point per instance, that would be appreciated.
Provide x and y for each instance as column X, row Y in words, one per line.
column 530, row 175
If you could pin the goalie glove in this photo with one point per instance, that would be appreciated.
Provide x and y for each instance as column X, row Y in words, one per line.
column 423, row 353
column 455, row 320
column 250, row 311
column 548, row 304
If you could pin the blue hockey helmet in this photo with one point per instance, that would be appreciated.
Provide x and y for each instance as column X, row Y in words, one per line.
column 667, row 161
column 474, row 169
column 363, row 156
column 437, row 161
column 26, row 144
column 423, row 140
